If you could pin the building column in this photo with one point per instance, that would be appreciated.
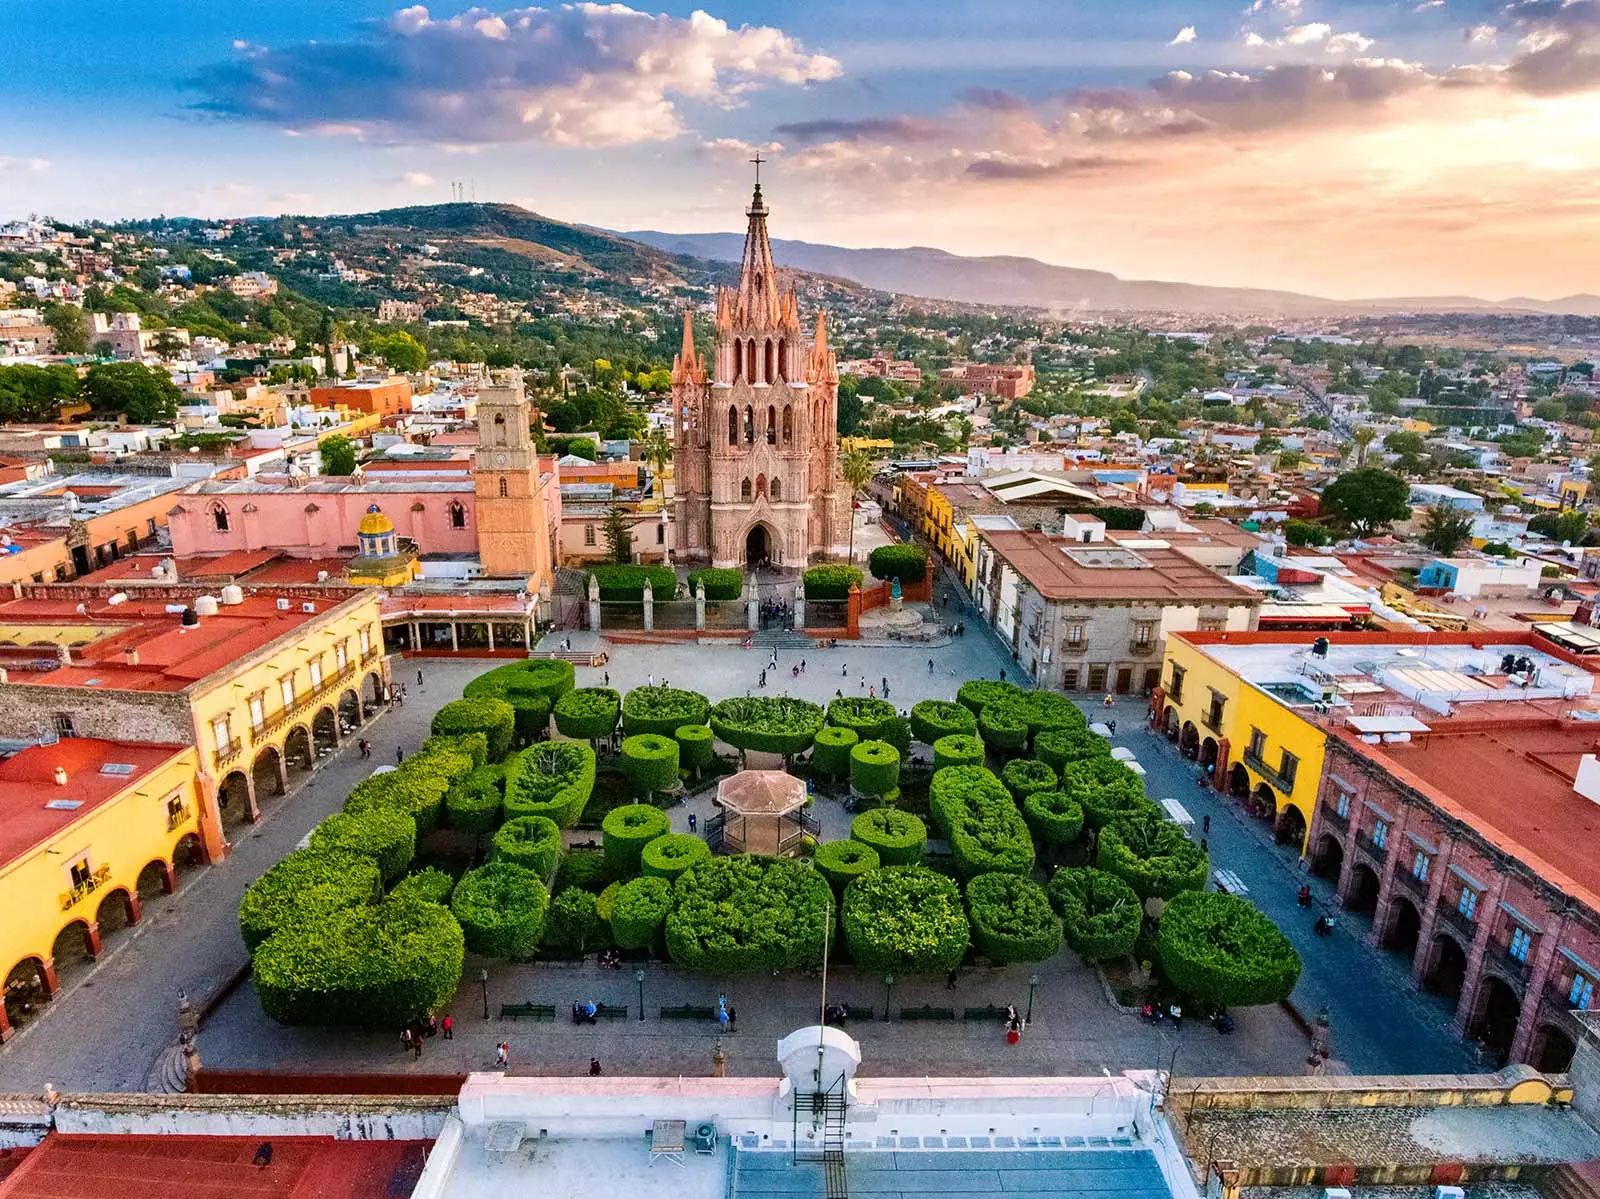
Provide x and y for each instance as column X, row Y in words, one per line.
column 700, row 607
column 91, row 939
column 416, row 636
column 1430, row 910
column 281, row 765
column 47, row 975
column 489, row 627
column 169, row 878
column 135, row 909
column 1158, row 708
column 1386, row 884
column 1533, row 998
column 6, row 1031
column 454, row 644
column 251, row 806
column 1219, row 778
column 1488, row 908
column 210, row 818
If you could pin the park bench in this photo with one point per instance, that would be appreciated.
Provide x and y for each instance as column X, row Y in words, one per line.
column 994, row 1015
column 530, row 1011
column 927, row 1012
column 688, row 1011
column 609, row 1011
column 852, row 1011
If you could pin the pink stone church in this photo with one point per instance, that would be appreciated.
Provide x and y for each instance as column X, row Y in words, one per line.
column 756, row 461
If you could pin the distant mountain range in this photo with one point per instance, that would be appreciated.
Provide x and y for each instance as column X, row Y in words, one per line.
column 1027, row 282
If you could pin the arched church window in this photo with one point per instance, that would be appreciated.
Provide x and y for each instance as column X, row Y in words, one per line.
column 499, row 428
column 761, row 485
column 733, row 425
column 503, row 491
column 458, row 516
column 788, row 423
column 749, row 425
column 744, row 489
column 768, row 374
column 220, row 515
column 783, row 359
column 777, row 490
column 750, row 360
column 772, row 425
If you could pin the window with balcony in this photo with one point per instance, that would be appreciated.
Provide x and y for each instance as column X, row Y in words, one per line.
column 1213, row 716
column 366, row 639
column 1258, row 743
column 1419, row 866
column 1342, row 804
column 316, row 673
column 221, row 736
column 1581, row 993
column 1467, row 904
column 340, row 656
column 1175, row 691
column 1380, row 833
column 81, row 873
column 1288, row 767
column 286, row 690
column 258, row 710
column 1144, row 633
column 1521, row 943
column 1075, row 639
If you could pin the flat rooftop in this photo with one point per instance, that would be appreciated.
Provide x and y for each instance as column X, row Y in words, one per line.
column 34, row 807
column 1066, row 570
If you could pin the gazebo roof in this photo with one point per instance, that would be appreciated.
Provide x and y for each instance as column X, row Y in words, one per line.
column 761, row 793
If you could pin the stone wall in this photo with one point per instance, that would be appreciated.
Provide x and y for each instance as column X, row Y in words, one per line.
column 30, row 711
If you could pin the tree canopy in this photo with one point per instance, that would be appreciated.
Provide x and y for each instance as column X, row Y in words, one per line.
column 145, row 396
column 1367, row 500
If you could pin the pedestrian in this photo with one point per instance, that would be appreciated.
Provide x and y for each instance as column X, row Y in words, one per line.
column 590, row 1011
column 649, row 680
column 1002, row 674
column 502, row 1055
column 722, row 1013
column 1108, row 702
column 950, row 981
column 577, row 1012
column 399, row 755
column 839, row 694
column 802, row 666
column 930, row 665
column 606, row 678
column 402, row 695
column 794, row 671
column 405, row 1039
column 433, row 1025
column 844, row 670
column 449, row 1026
column 416, row 1045
column 885, row 686
column 594, row 1068
column 863, row 681
column 761, row 681
column 1205, row 846
column 419, row 678
column 872, row 693
column 1205, row 824
column 692, row 822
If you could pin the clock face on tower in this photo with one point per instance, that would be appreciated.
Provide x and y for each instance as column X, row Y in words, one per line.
column 500, row 459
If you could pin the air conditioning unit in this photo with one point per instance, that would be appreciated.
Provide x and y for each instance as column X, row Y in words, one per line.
column 1335, row 1193
column 283, row 605
column 1448, row 1193
column 308, row 607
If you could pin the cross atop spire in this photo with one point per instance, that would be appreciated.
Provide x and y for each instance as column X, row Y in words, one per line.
column 758, row 160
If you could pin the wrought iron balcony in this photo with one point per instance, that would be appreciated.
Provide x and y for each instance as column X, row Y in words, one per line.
column 1371, row 848
column 87, row 887
column 1410, row 882
column 302, row 702
column 1141, row 649
column 226, row 754
column 1460, row 921
column 1332, row 819
column 1278, row 780
column 372, row 655
column 176, row 816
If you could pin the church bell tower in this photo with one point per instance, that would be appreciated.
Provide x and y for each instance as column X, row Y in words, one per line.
column 512, row 538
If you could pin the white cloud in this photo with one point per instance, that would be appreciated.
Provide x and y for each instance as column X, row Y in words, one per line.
column 1284, row 6
column 1313, row 34
column 416, row 179
column 1184, row 36
column 8, row 163
column 1481, row 35
column 1427, row 4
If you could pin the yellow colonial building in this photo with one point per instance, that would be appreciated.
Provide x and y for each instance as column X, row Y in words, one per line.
column 89, row 829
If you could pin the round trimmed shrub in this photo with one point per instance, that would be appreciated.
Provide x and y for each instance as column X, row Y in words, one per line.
column 473, row 745
column 830, row 750
column 651, row 762
column 841, row 862
column 553, row 778
column 767, row 724
column 627, row 830
column 978, row 816
column 831, row 582
column 748, row 913
column 1023, row 777
column 1100, row 914
column 638, row 911
column 874, row 768
column 697, row 747
column 932, row 719
column 1107, row 789
column 976, row 694
column 1221, row 951
column 428, row 885
column 897, row 837
column 604, row 900
column 1012, row 920
column 1041, row 711
column 959, row 749
column 721, row 583
column 908, row 563
column 571, row 925
column 1054, row 817
column 494, row 718
column 472, row 805
column 1056, row 747
column 1003, row 727
column 588, row 713
column 502, row 909
column 531, row 687
column 418, row 791
column 671, row 854
column 387, row 837
column 532, row 842
column 870, row 719
column 1152, row 856
column 904, row 919
column 369, row 966
column 309, row 882
column 662, row 710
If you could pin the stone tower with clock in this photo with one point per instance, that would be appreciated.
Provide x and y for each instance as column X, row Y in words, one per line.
column 512, row 494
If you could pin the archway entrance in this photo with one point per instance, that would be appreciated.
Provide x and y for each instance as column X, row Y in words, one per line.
column 25, row 991
column 1291, row 827
column 1553, row 1050
column 155, row 879
column 116, row 912
column 372, row 695
column 1363, row 896
column 73, row 951
column 1329, row 859
column 187, row 854
column 1238, row 781
column 757, row 547
column 233, row 797
column 297, row 749
column 349, row 713
column 1263, row 802
column 267, row 774
column 1208, row 753
column 1172, row 724
column 1449, row 971
column 1498, row 1012
column 1405, row 925
column 1189, row 740
column 324, row 732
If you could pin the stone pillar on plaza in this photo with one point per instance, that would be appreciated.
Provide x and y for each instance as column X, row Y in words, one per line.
column 1488, row 905
column 649, row 606
column 799, row 606
column 752, row 603
column 700, row 605
column 541, row 611
column 594, row 604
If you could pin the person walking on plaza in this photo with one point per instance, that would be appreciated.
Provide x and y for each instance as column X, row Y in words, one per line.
column 930, row 665
column 502, row 1055
column 885, row 686
column 722, row 1013
column 405, row 1039
column 366, row 747
column 449, row 1026
column 594, row 1068
column 844, row 670
column 419, row 678
column 416, row 1044
column 399, row 755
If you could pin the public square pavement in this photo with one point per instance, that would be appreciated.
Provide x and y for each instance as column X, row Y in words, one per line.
column 111, row 1025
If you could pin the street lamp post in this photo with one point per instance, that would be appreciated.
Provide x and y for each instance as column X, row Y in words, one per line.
column 888, row 988
column 1033, row 982
column 638, row 977
column 483, row 981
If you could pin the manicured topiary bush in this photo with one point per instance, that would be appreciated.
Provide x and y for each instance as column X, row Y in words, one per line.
column 978, row 816
column 472, row 805
column 897, row 837
column 957, row 750
column 1054, row 817
column 841, row 862
column 869, row 719
column 571, row 926
column 638, row 911
column 428, row 885
column 1024, row 776
column 1012, row 920
column 603, row 902
column 874, row 768
column 905, row 919
column 369, row 966
column 494, row 718
column 932, row 719
column 584, row 868
column 1040, row 711
column 1100, row 914
column 830, row 751
column 622, row 584
column 747, row 913
column 830, row 582
column 473, row 745
column 627, row 830
column 388, row 837
column 308, row 882
column 976, row 693
column 1152, row 856
column 553, row 779
column 1221, row 951
column 1003, row 727
column 774, row 725
column 662, row 710
column 588, row 713
column 908, row 563
column 697, row 747
column 720, row 583
column 1057, row 747
column 417, row 793
column 532, row 842
column 502, row 909
column 1106, row 788
column 531, row 687
column 651, row 762
column 670, row 854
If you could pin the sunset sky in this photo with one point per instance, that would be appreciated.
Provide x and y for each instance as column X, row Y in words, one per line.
column 1345, row 149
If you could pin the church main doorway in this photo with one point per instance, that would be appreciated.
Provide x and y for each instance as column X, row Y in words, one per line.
column 757, row 547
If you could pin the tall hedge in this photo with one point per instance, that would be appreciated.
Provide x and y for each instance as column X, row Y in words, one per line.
column 976, row 693
column 932, row 719
column 720, row 583
column 1100, row 914
column 747, row 913
column 1054, row 817
column 1223, row 952
column 670, row 854
column 1106, row 788
column 472, row 805
column 697, row 747
column 768, row 724
column 977, row 815
column 572, row 925
column 870, row 719
column 417, row 791
column 958, row 749
column 830, row 582
column 429, row 885
column 494, row 718
column 532, row 842
column 502, row 909
column 627, row 830
column 898, row 837
column 531, row 687
column 662, row 710
column 830, row 751
column 1024, row 776
column 905, row 919
column 841, row 862
column 639, row 910
column 1012, row 920
column 474, row 745
column 370, row 966
column 308, row 883
column 1040, row 711
column 588, row 713
column 908, row 563
column 386, row 836
column 554, row 779
column 1057, row 747
column 1003, row 727
column 874, row 768
column 623, row 584
column 1152, row 856
column 651, row 762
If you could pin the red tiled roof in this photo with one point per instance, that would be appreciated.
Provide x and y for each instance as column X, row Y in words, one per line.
column 27, row 784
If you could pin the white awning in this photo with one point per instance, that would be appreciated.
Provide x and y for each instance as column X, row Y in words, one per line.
column 1177, row 813
column 1387, row 724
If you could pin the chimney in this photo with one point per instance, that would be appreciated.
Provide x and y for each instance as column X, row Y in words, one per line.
column 130, row 656
column 64, row 655
column 61, row 776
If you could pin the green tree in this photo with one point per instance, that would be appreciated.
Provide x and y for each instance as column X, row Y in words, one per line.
column 658, row 452
column 1366, row 500
column 142, row 395
column 1445, row 529
column 619, row 539
column 1550, row 410
column 72, row 334
column 1362, row 438
column 399, row 349
column 857, row 469
column 167, row 344
column 338, row 455
column 1570, row 525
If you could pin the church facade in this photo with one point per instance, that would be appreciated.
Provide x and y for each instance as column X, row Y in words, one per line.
column 756, row 459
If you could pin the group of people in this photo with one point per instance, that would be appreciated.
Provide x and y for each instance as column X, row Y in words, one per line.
column 418, row 1031
column 585, row 1012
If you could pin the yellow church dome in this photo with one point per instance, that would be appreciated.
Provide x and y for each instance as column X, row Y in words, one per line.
column 375, row 523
